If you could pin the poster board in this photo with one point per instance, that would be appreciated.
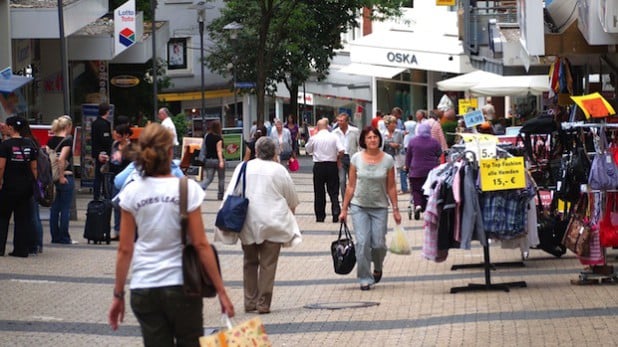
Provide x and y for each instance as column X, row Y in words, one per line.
column 232, row 144
column 192, row 144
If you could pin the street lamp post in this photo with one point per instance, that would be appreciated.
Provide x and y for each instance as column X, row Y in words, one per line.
column 234, row 28
column 201, row 15
column 155, row 87
column 200, row 6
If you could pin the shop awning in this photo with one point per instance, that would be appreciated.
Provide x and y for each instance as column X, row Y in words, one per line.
column 411, row 50
column 484, row 83
column 14, row 82
column 372, row 70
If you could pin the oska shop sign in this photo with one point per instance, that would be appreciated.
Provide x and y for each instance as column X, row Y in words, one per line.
column 401, row 58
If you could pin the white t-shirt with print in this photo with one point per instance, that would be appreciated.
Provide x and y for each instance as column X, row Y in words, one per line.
column 153, row 202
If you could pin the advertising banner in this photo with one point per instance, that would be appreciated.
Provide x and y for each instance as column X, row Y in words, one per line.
column 124, row 26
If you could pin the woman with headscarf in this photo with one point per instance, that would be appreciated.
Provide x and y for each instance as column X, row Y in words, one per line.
column 18, row 171
column 266, row 230
column 423, row 154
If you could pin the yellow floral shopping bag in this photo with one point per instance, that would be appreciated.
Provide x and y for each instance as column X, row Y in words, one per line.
column 249, row 333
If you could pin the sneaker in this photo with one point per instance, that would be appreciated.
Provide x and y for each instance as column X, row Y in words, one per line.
column 73, row 242
column 417, row 213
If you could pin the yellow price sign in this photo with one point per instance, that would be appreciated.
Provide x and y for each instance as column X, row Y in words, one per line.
column 502, row 174
column 467, row 105
column 477, row 137
column 446, row 2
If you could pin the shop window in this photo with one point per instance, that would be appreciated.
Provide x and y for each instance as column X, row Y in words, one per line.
column 177, row 54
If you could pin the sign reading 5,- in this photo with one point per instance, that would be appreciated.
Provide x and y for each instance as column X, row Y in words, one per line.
column 483, row 145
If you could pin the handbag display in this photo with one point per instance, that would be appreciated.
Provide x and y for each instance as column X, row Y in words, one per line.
column 195, row 278
column 578, row 232
column 232, row 215
column 249, row 333
column 343, row 251
column 608, row 227
column 603, row 170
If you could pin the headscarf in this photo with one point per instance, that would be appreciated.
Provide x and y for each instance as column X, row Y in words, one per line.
column 424, row 130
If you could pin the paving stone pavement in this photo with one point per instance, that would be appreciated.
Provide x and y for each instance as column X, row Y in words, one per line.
column 61, row 297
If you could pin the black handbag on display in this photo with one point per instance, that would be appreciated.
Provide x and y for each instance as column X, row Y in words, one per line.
column 343, row 251
column 232, row 215
column 195, row 278
column 196, row 160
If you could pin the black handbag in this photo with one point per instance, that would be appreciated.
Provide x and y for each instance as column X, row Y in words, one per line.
column 232, row 215
column 343, row 251
column 196, row 160
column 195, row 278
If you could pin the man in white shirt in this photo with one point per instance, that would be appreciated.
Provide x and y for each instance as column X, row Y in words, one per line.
column 326, row 150
column 348, row 135
column 166, row 121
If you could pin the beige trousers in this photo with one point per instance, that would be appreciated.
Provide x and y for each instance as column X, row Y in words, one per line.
column 259, row 268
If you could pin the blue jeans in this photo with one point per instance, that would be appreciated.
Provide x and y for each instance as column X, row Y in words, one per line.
column 209, row 175
column 38, row 227
column 167, row 316
column 115, row 191
column 370, row 230
column 59, row 213
column 403, row 177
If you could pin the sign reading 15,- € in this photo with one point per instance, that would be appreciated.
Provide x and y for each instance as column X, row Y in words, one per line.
column 502, row 174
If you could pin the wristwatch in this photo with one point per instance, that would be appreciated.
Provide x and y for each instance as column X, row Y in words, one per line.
column 119, row 295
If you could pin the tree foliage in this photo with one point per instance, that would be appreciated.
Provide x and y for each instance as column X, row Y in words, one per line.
column 285, row 40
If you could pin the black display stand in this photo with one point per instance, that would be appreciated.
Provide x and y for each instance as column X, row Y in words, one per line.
column 487, row 285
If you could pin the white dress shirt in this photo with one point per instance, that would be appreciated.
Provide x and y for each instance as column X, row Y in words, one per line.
column 324, row 146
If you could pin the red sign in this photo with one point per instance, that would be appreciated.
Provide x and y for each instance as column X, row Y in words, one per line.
column 42, row 133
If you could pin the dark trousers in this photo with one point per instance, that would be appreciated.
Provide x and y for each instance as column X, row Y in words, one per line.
column 416, row 186
column 97, row 184
column 23, row 234
column 325, row 174
column 167, row 317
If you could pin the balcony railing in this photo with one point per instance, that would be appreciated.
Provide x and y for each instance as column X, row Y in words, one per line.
column 476, row 16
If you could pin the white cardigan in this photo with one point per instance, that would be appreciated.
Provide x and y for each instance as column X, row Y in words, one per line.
column 271, row 195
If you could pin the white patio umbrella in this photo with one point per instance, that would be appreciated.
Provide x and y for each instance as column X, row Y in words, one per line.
column 512, row 86
column 463, row 83
column 482, row 83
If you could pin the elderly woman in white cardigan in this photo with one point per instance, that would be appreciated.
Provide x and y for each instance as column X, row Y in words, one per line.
column 270, row 223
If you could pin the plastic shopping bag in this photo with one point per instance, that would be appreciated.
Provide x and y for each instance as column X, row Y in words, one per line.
column 399, row 242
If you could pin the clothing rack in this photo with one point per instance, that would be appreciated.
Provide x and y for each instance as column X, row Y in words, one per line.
column 485, row 264
column 571, row 125
column 488, row 285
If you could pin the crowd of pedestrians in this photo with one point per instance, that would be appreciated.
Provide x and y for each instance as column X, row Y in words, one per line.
column 359, row 170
